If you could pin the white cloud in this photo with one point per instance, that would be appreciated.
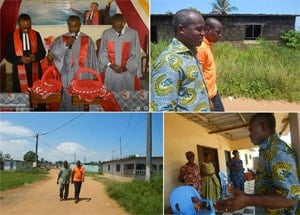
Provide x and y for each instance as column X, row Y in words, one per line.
column 71, row 151
column 9, row 130
column 15, row 140
column 70, row 148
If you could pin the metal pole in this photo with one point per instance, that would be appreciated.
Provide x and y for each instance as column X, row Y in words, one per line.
column 121, row 167
column 149, row 147
column 120, row 149
column 36, row 151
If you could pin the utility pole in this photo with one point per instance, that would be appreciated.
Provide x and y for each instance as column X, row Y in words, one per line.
column 120, row 149
column 36, row 151
column 113, row 155
column 149, row 147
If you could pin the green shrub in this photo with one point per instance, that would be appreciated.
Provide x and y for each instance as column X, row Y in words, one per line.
column 139, row 196
column 291, row 39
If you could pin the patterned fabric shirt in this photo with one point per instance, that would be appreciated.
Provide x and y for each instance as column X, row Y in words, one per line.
column 177, row 81
column 65, row 174
column 238, row 173
column 191, row 176
column 277, row 173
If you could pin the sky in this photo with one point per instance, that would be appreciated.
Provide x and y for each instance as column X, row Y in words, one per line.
column 244, row 7
column 80, row 136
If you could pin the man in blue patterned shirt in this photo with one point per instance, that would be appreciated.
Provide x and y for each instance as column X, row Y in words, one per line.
column 277, row 188
column 177, row 82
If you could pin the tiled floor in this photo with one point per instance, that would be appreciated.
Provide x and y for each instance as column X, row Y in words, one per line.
column 249, row 188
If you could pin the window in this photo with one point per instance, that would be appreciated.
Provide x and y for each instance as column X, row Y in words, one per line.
column 153, row 34
column 252, row 32
column 141, row 166
column 118, row 168
column 108, row 168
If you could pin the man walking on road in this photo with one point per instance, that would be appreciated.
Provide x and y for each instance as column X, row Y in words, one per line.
column 64, row 179
column 77, row 178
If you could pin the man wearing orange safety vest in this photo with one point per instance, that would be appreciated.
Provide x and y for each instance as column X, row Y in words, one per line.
column 119, row 56
column 25, row 50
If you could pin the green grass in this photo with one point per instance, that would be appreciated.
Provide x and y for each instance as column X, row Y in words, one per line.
column 137, row 197
column 91, row 174
column 11, row 180
column 265, row 71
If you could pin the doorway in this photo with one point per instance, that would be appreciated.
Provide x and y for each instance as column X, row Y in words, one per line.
column 214, row 156
column 227, row 159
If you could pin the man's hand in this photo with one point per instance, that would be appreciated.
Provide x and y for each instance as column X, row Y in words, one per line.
column 123, row 68
column 116, row 68
column 25, row 59
column 70, row 41
column 238, row 201
column 32, row 57
column 50, row 59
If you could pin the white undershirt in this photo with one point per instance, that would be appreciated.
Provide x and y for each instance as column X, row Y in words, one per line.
column 26, row 44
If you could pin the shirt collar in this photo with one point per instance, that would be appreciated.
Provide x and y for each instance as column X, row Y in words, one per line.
column 71, row 34
column 206, row 41
column 179, row 47
column 270, row 140
column 122, row 32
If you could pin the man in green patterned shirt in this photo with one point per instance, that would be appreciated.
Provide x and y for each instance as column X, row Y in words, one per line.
column 63, row 180
column 177, row 82
column 277, row 188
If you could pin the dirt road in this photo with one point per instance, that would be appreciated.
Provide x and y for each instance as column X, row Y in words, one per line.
column 252, row 105
column 42, row 198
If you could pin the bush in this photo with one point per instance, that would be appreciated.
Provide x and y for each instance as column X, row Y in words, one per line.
column 137, row 197
column 291, row 39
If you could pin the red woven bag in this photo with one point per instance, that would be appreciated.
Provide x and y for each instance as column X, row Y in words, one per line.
column 49, row 84
column 87, row 89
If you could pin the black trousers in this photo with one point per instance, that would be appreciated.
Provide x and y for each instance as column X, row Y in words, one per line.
column 77, row 187
column 62, row 188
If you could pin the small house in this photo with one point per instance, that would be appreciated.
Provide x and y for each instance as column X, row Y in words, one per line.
column 131, row 167
column 17, row 165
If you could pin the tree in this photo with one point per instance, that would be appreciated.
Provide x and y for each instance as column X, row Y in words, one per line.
column 195, row 9
column 222, row 7
column 6, row 157
column 29, row 156
column 1, row 156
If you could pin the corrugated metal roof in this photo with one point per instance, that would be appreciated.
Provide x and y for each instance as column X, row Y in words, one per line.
column 232, row 125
